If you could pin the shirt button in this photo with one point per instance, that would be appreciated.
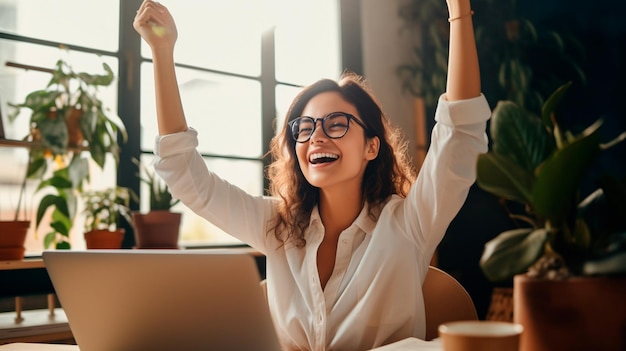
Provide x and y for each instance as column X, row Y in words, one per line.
column 344, row 241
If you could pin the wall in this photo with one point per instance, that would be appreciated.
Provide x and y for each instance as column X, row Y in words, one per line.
column 384, row 48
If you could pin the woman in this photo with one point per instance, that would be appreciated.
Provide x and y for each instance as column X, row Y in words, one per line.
column 347, row 237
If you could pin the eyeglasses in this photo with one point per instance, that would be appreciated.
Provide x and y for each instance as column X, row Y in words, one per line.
column 335, row 125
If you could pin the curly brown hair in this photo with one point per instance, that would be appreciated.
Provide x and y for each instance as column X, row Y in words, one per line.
column 391, row 172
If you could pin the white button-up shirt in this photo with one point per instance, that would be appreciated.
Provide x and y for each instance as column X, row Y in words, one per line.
column 374, row 295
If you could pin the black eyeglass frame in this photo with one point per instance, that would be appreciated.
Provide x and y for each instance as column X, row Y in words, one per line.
column 323, row 120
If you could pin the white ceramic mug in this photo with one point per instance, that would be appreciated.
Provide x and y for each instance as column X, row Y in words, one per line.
column 480, row 336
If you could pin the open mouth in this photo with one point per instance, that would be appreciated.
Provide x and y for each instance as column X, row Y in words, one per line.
column 322, row 157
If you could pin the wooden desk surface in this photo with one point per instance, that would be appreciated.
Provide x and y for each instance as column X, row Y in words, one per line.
column 412, row 344
column 38, row 347
column 27, row 263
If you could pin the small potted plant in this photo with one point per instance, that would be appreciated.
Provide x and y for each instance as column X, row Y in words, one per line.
column 160, row 227
column 104, row 209
column 67, row 117
column 13, row 232
column 570, row 257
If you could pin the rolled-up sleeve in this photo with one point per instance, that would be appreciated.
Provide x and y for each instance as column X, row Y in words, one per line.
column 225, row 205
column 448, row 171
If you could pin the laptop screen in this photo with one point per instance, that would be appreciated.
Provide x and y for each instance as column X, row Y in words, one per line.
column 162, row 299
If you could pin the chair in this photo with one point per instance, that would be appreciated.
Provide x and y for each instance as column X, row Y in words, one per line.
column 445, row 300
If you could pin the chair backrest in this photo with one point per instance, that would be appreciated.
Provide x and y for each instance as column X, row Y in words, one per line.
column 445, row 300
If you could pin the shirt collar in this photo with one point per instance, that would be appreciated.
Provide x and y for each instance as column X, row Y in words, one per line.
column 364, row 221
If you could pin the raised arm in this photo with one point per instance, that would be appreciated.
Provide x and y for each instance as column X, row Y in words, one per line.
column 156, row 26
column 463, row 71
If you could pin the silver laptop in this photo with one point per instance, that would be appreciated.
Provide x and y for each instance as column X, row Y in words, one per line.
column 162, row 299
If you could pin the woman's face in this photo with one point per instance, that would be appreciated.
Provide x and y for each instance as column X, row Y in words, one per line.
column 326, row 162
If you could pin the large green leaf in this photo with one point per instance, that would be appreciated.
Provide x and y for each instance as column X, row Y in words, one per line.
column 551, row 104
column 512, row 252
column 48, row 239
column 37, row 101
column 63, row 245
column 60, row 227
column 520, row 136
column 88, row 123
column 613, row 263
column 59, row 180
column 78, row 171
column 98, row 151
column 58, row 202
column 37, row 164
column 98, row 79
column 54, row 134
column 559, row 178
column 504, row 178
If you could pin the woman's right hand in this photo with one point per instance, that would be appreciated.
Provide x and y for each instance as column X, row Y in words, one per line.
column 156, row 25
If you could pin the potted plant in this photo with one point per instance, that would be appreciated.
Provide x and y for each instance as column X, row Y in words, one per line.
column 104, row 209
column 67, row 117
column 13, row 232
column 160, row 227
column 568, row 263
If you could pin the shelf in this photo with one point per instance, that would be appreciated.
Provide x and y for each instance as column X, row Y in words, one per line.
column 27, row 263
column 33, row 144
column 36, row 326
column 19, row 143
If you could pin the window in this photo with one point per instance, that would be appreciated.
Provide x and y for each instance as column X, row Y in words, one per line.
column 239, row 64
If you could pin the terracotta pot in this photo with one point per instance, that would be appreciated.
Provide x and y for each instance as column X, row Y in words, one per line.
column 74, row 133
column 156, row 229
column 75, row 136
column 582, row 313
column 12, row 238
column 12, row 253
column 104, row 239
column 13, row 233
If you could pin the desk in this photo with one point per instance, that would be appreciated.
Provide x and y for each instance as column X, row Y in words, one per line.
column 411, row 344
column 38, row 347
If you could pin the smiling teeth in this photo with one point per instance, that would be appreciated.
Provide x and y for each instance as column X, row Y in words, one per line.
column 319, row 155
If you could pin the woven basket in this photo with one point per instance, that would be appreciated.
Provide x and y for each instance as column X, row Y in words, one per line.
column 501, row 307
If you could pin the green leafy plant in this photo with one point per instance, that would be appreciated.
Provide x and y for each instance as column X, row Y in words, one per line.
column 63, row 190
column 68, row 117
column 425, row 76
column 105, row 208
column 508, row 46
column 536, row 163
column 69, row 95
column 160, row 196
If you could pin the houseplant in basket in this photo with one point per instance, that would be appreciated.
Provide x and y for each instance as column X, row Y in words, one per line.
column 568, row 263
column 160, row 227
column 104, row 210
column 68, row 117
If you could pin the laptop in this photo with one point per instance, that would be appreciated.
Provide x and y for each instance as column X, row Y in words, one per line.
column 162, row 299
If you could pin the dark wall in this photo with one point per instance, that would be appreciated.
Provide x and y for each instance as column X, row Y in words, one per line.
column 600, row 27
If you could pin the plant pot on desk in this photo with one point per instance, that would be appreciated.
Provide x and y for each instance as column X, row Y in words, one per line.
column 104, row 239
column 157, row 229
column 578, row 313
column 12, row 238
